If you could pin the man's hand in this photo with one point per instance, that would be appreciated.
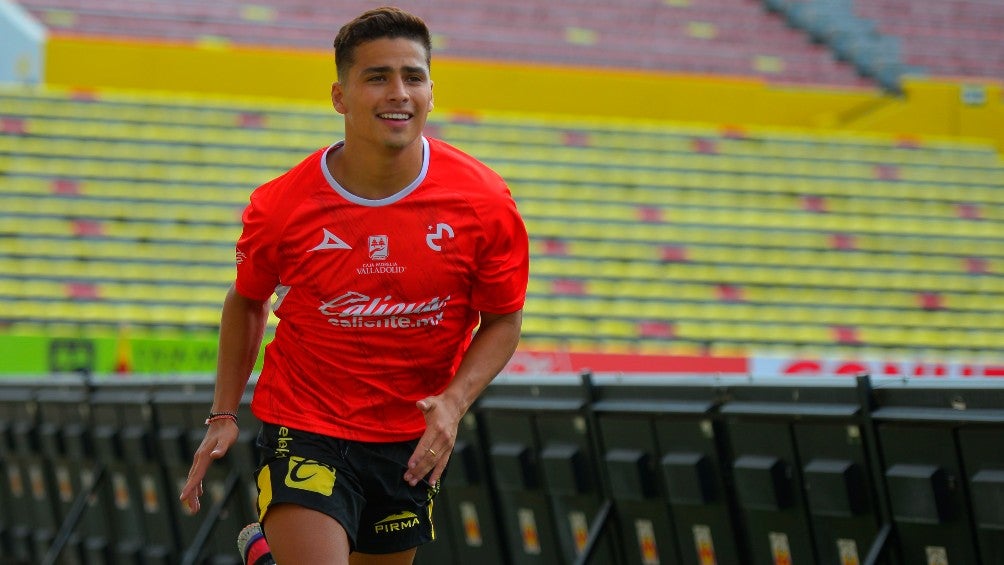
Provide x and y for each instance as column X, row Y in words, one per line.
column 491, row 348
column 219, row 437
column 436, row 445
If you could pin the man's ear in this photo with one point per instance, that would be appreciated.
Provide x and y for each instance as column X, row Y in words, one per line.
column 336, row 97
column 431, row 98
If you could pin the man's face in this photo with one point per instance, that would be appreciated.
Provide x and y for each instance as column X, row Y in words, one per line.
column 386, row 94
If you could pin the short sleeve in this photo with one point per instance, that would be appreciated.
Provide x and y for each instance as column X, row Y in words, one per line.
column 257, row 269
column 503, row 265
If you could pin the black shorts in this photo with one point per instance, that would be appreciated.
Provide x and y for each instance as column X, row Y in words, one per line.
column 361, row 485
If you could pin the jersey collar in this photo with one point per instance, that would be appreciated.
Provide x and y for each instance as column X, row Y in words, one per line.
column 382, row 201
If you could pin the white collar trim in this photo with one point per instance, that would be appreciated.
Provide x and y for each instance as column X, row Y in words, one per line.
column 382, row 201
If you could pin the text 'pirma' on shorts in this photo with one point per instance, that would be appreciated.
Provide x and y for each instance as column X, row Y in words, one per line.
column 359, row 484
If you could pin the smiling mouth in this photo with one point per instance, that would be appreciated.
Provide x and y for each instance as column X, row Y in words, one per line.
column 394, row 116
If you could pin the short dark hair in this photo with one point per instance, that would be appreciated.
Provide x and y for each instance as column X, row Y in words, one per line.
column 379, row 23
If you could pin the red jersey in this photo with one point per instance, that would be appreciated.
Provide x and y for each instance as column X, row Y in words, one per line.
column 376, row 299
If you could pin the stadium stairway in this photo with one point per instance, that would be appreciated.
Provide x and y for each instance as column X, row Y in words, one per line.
column 888, row 40
column 645, row 238
column 955, row 39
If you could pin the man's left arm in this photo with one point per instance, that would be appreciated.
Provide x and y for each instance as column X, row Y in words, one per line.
column 490, row 349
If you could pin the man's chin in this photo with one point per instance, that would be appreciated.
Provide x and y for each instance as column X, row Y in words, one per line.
column 398, row 144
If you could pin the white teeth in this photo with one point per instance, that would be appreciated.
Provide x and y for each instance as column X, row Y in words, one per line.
column 394, row 116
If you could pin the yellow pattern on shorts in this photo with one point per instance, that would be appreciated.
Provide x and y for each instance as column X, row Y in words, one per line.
column 310, row 475
column 264, row 491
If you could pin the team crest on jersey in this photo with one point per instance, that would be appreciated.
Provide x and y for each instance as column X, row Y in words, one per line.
column 379, row 247
column 437, row 235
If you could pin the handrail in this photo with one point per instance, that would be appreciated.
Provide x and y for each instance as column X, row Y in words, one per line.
column 596, row 529
column 191, row 555
column 881, row 543
column 73, row 516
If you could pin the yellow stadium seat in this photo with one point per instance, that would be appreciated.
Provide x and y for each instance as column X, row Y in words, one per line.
column 740, row 216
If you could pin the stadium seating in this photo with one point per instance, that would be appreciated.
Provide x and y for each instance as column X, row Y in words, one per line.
column 645, row 238
column 854, row 43
column 695, row 36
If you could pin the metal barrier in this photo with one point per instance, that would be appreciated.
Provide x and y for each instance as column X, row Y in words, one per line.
column 139, row 524
column 63, row 433
column 662, row 450
column 467, row 530
column 943, row 463
column 18, row 449
column 801, row 466
column 230, row 493
column 541, row 441
column 576, row 469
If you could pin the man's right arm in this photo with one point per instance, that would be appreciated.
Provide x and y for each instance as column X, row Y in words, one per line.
column 242, row 326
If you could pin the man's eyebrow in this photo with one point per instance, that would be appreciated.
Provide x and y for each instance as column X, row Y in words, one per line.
column 389, row 69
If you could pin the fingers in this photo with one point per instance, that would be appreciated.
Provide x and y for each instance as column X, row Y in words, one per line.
column 424, row 461
column 434, row 447
column 437, row 471
column 190, row 494
column 192, row 490
column 418, row 464
column 190, row 497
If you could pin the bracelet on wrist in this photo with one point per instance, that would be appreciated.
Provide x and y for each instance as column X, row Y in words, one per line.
column 217, row 416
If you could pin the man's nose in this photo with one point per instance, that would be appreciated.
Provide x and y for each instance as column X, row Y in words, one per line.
column 398, row 91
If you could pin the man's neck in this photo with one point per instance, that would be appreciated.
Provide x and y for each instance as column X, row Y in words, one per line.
column 375, row 174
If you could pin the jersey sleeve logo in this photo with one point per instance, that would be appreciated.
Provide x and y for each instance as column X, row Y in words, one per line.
column 443, row 231
column 330, row 241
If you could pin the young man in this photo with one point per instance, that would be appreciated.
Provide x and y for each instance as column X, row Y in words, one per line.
column 385, row 252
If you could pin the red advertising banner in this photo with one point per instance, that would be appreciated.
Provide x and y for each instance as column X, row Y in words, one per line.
column 544, row 362
column 537, row 362
column 907, row 368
